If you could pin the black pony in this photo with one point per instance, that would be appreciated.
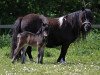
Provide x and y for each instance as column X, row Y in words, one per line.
column 67, row 29
column 63, row 30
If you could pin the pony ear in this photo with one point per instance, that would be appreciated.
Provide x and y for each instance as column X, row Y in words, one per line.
column 83, row 8
column 65, row 17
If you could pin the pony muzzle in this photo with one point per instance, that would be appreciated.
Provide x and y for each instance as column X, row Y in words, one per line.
column 87, row 26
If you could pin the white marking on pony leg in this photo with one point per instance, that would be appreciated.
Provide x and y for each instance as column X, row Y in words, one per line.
column 61, row 20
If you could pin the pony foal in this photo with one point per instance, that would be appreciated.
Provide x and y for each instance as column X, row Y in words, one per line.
column 25, row 39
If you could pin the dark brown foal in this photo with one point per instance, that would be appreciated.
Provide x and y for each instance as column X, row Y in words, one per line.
column 25, row 39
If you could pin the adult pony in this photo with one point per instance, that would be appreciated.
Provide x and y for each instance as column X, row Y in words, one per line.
column 32, row 23
column 66, row 29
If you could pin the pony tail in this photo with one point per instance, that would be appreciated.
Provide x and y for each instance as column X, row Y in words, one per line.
column 16, row 30
column 17, row 26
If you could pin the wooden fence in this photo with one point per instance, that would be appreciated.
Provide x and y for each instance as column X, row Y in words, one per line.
column 11, row 26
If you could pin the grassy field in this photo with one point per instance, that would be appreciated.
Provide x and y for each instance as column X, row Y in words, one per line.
column 83, row 58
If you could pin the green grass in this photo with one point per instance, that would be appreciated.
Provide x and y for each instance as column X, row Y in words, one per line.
column 83, row 58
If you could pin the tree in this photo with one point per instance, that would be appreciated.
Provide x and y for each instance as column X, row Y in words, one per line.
column 12, row 9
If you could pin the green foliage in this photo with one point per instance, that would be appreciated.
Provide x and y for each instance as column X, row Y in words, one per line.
column 12, row 9
column 5, row 40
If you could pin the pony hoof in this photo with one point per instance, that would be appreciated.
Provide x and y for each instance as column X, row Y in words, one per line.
column 61, row 61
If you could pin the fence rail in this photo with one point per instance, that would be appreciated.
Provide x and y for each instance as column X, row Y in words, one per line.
column 6, row 26
column 11, row 26
column 95, row 26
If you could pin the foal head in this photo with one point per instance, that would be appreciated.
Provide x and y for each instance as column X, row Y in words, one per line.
column 44, row 28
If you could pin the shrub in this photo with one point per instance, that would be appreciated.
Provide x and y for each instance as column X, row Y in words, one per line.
column 5, row 40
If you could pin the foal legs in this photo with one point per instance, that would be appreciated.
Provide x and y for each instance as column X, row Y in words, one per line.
column 40, row 54
column 17, row 50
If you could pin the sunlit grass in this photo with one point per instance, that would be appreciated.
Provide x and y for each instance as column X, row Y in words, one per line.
column 83, row 58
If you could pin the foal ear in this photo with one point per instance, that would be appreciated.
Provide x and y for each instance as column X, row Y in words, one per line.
column 83, row 8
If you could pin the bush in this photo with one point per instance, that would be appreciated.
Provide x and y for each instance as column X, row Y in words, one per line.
column 5, row 40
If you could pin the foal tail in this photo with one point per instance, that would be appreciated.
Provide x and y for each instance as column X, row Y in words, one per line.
column 16, row 30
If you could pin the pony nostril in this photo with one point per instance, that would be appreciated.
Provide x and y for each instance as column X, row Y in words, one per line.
column 87, row 27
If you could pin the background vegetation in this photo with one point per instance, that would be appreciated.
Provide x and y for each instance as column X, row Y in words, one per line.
column 11, row 9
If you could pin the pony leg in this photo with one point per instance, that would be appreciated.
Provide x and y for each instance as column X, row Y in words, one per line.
column 16, row 51
column 63, row 53
column 28, row 51
column 40, row 55
column 23, row 56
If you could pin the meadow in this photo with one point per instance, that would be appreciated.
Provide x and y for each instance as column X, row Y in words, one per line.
column 83, row 58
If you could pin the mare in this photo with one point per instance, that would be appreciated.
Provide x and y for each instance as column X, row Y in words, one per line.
column 65, row 30
column 32, row 23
